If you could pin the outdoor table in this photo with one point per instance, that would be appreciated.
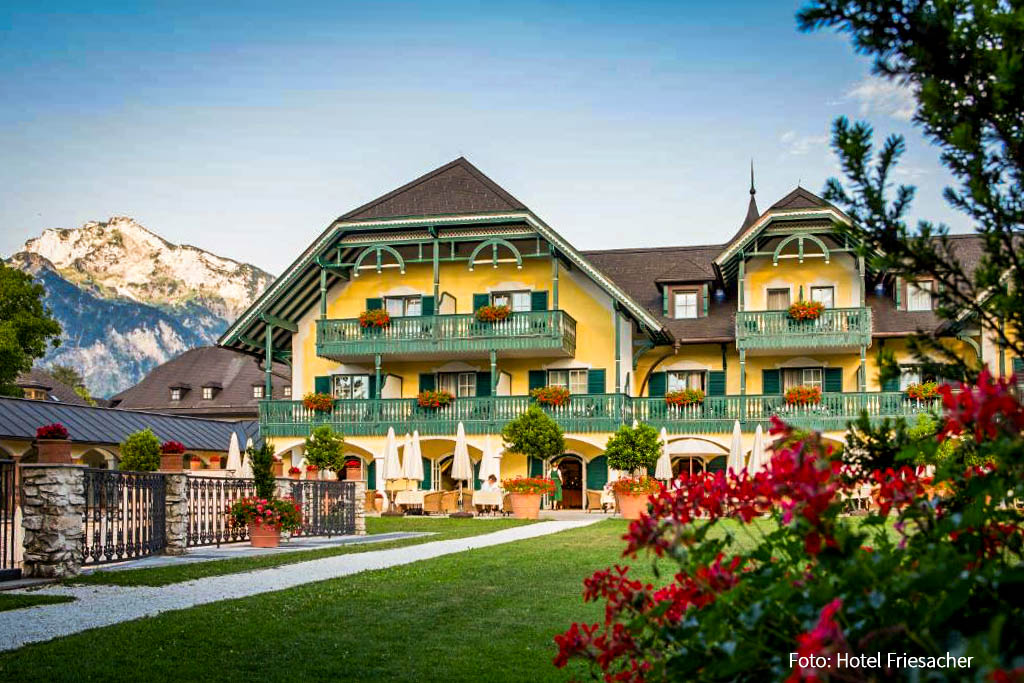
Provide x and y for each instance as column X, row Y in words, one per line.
column 488, row 498
column 410, row 498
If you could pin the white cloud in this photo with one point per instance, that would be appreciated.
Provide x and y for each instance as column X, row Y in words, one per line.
column 882, row 96
column 800, row 145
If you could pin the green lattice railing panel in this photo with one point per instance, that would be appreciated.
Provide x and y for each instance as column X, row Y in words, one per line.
column 448, row 335
column 585, row 413
column 837, row 327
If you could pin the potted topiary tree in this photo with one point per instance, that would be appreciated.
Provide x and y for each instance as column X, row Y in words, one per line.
column 533, row 433
column 53, row 444
column 633, row 450
column 140, row 452
column 265, row 515
column 325, row 450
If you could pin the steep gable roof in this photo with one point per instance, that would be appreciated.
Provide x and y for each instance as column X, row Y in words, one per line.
column 458, row 187
column 800, row 199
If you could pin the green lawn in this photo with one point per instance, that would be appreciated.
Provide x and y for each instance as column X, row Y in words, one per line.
column 442, row 529
column 487, row 614
column 17, row 601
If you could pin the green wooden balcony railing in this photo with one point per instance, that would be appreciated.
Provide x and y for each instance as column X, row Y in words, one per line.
column 837, row 327
column 448, row 335
column 585, row 413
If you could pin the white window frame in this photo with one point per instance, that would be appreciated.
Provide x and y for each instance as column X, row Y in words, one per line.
column 831, row 303
column 404, row 306
column 576, row 380
column 919, row 295
column 685, row 311
column 286, row 391
column 176, row 394
column 677, row 380
column 459, row 384
column 807, row 377
column 768, row 297
column 207, row 393
column 519, row 300
column 344, row 386
column 257, row 391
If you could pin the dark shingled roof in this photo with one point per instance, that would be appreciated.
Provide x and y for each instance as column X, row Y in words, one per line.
column 455, row 188
column 204, row 366
column 20, row 417
column 800, row 199
column 55, row 389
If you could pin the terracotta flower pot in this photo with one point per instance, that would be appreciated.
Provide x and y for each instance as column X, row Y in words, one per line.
column 54, row 451
column 263, row 536
column 171, row 462
column 353, row 473
column 312, row 474
column 214, row 463
column 195, row 464
column 296, row 475
column 278, row 468
column 631, row 505
column 525, row 505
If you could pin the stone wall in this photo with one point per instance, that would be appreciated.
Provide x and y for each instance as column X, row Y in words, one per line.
column 53, row 504
column 360, row 508
column 176, row 514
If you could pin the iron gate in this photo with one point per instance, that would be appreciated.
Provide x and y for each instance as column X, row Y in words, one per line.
column 208, row 501
column 328, row 507
column 124, row 515
column 8, row 568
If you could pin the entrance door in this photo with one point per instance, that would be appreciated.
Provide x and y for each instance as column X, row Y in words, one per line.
column 571, row 470
column 687, row 465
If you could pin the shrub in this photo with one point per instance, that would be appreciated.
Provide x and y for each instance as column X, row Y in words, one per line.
column 318, row 401
column 551, row 396
column 633, row 449
column 534, row 434
column 374, row 318
column 325, row 449
column 684, row 397
column 52, row 431
column 492, row 314
column 140, row 452
column 806, row 310
column 434, row 399
column 261, row 459
column 540, row 485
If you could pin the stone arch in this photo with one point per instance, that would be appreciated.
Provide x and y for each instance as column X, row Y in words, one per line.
column 99, row 458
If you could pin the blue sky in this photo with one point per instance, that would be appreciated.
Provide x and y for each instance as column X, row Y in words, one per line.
column 246, row 131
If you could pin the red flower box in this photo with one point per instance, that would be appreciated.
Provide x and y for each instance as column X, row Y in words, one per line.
column 318, row 401
column 803, row 396
column 806, row 310
column 375, row 318
column 434, row 399
column 492, row 314
column 551, row 396
column 684, row 397
column 923, row 391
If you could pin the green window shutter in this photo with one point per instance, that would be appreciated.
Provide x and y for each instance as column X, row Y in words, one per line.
column 427, row 381
column 425, row 484
column 536, row 467
column 657, row 384
column 595, row 381
column 483, row 384
column 539, row 301
column 891, row 384
column 371, row 386
column 833, row 380
column 771, row 382
column 718, row 464
column 322, row 385
column 427, row 305
column 716, row 383
column 705, row 301
column 374, row 304
column 664, row 301
column 538, row 379
column 597, row 473
column 371, row 475
column 1018, row 366
column 480, row 300
column 475, row 484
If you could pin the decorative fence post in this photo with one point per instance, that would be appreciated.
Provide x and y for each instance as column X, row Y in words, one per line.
column 52, row 511
column 176, row 516
column 360, row 507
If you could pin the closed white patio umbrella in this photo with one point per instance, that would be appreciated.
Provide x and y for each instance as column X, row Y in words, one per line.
column 462, row 467
column 234, row 455
column 491, row 463
column 735, row 462
column 663, row 470
column 412, row 460
column 245, row 472
column 758, row 454
column 392, row 468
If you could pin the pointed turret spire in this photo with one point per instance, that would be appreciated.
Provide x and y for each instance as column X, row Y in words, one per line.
column 752, row 212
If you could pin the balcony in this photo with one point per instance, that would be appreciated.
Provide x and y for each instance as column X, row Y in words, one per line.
column 838, row 329
column 585, row 413
column 527, row 333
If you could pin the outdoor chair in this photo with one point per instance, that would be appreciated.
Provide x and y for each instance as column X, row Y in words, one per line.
column 450, row 502
column 467, row 501
column 506, row 504
column 432, row 503
column 373, row 503
column 594, row 502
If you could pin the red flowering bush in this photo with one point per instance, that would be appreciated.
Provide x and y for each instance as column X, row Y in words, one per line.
column 636, row 485
column 551, row 396
column 806, row 310
column 282, row 514
column 492, row 314
column 434, row 399
column 375, row 318
column 172, row 448
column 52, row 431
column 684, row 397
column 922, row 391
column 318, row 401
column 765, row 568
column 540, row 485
column 803, row 396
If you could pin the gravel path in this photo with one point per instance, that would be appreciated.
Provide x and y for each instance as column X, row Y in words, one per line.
column 97, row 606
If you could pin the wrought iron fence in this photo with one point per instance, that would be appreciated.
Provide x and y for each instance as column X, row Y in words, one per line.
column 124, row 515
column 8, row 567
column 328, row 507
column 208, row 501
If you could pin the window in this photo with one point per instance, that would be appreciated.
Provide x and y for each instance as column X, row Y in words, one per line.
column 257, row 391
column 795, row 377
column 685, row 304
column 826, row 295
column 287, row 393
column 913, row 374
column 517, row 301
column 459, row 384
column 207, row 393
column 919, row 296
column 685, row 379
column 35, row 394
column 175, row 394
column 402, row 306
column 351, row 386
column 778, row 299
column 573, row 380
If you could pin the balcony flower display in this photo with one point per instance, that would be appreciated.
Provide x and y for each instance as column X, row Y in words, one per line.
column 551, row 396
column 52, row 431
column 318, row 402
column 803, row 396
column 434, row 399
column 684, row 397
column 922, row 391
column 376, row 318
column 526, row 493
column 492, row 314
column 172, row 448
column 806, row 310
column 294, row 472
